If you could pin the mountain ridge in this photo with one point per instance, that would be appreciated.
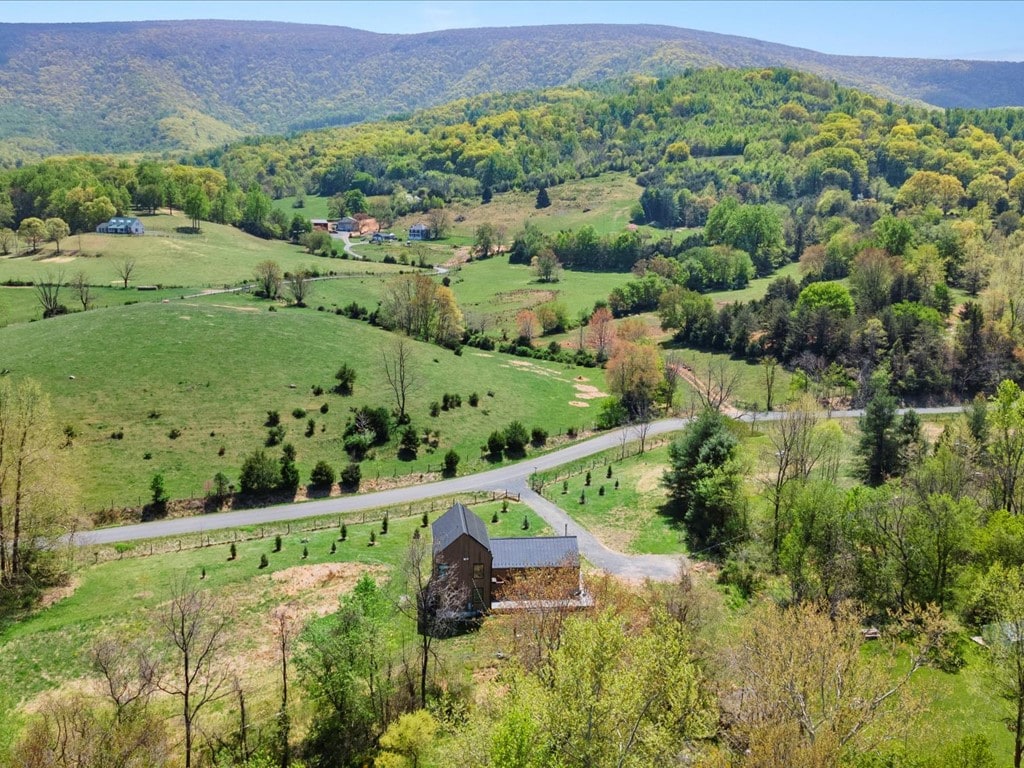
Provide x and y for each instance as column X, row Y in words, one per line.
column 183, row 85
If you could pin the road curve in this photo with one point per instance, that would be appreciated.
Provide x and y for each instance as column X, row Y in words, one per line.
column 512, row 477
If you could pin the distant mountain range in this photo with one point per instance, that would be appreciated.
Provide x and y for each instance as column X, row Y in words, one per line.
column 183, row 85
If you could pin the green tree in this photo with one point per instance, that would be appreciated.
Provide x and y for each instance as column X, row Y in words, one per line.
column 196, row 205
column 879, row 446
column 33, row 230
column 1005, row 426
column 703, row 483
column 544, row 201
column 56, row 230
column 268, row 278
column 346, row 376
column 485, row 240
column 406, row 739
column 255, row 211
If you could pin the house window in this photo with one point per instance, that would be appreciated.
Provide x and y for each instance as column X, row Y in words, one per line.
column 478, row 570
column 442, row 570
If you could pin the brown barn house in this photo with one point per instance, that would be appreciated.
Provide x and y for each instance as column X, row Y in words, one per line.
column 488, row 569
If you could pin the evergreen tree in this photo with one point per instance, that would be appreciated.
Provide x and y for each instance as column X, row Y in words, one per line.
column 879, row 447
column 543, row 201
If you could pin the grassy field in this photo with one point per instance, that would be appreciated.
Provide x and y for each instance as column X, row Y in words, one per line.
column 629, row 518
column 212, row 369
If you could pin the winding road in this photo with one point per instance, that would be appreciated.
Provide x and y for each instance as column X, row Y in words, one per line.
column 514, row 478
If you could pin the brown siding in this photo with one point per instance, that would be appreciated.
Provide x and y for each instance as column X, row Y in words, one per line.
column 461, row 555
column 505, row 579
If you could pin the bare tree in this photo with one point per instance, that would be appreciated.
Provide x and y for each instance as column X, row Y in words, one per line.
column 300, row 286
column 48, row 293
column 194, row 627
column 125, row 270
column 770, row 367
column 285, row 628
column 129, row 674
column 715, row 384
column 8, row 240
column 440, row 222
column 537, row 632
column 433, row 600
column 397, row 360
column 671, row 381
column 80, row 285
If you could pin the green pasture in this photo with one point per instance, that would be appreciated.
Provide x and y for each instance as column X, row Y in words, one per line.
column 212, row 368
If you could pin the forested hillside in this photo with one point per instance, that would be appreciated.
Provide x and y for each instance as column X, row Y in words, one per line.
column 116, row 87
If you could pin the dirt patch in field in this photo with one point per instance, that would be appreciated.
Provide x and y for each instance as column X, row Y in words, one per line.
column 482, row 354
column 461, row 256
column 526, row 365
column 65, row 259
column 619, row 529
column 54, row 595
column 588, row 392
column 329, row 580
column 650, row 480
column 578, row 404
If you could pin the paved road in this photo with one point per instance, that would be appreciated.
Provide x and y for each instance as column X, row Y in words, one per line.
column 514, row 477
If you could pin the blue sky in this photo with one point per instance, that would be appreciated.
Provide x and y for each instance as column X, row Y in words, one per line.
column 974, row 30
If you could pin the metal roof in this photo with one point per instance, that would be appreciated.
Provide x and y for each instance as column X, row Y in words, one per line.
column 540, row 552
column 458, row 520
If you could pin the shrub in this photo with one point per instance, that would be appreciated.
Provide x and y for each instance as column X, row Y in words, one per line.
column 259, row 474
column 451, row 464
column 357, row 445
column 154, row 414
column 526, row 523
column 616, row 485
column 220, row 451
column 516, row 438
column 325, row 408
column 474, row 399
column 374, row 423
column 334, row 547
column 583, row 497
column 263, row 561
column 310, row 427
column 384, row 524
column 350, row 477
column 495, row 444
column 408, row 444
column 317, row 390
column 504, row 505
column 494, row 517
column 373, row 538
column 234, row 552
column 277, row 543
column 609, row 472
column 305, row 552
column 322, row 476
column 586, row 481
column 273, row 419
column 147, row 456
column 565, row 486
column 299, row 413
column 346, row 377
column 117, row 435
column 538, row 436
column 275, row 436
column 424, row 521
column 344, row 533
column 156, row 486
column 435, row 408
column 600, row 491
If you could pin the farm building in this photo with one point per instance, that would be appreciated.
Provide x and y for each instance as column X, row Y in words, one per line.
column 347, row 224
column 122, row 225
column 320, row 225
column 488, row 569
column 419, row 231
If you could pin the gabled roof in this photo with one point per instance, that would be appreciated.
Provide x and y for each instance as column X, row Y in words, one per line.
column 539, row 552
column 458, row 520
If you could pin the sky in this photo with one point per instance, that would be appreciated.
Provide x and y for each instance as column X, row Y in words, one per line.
column 927, row 29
